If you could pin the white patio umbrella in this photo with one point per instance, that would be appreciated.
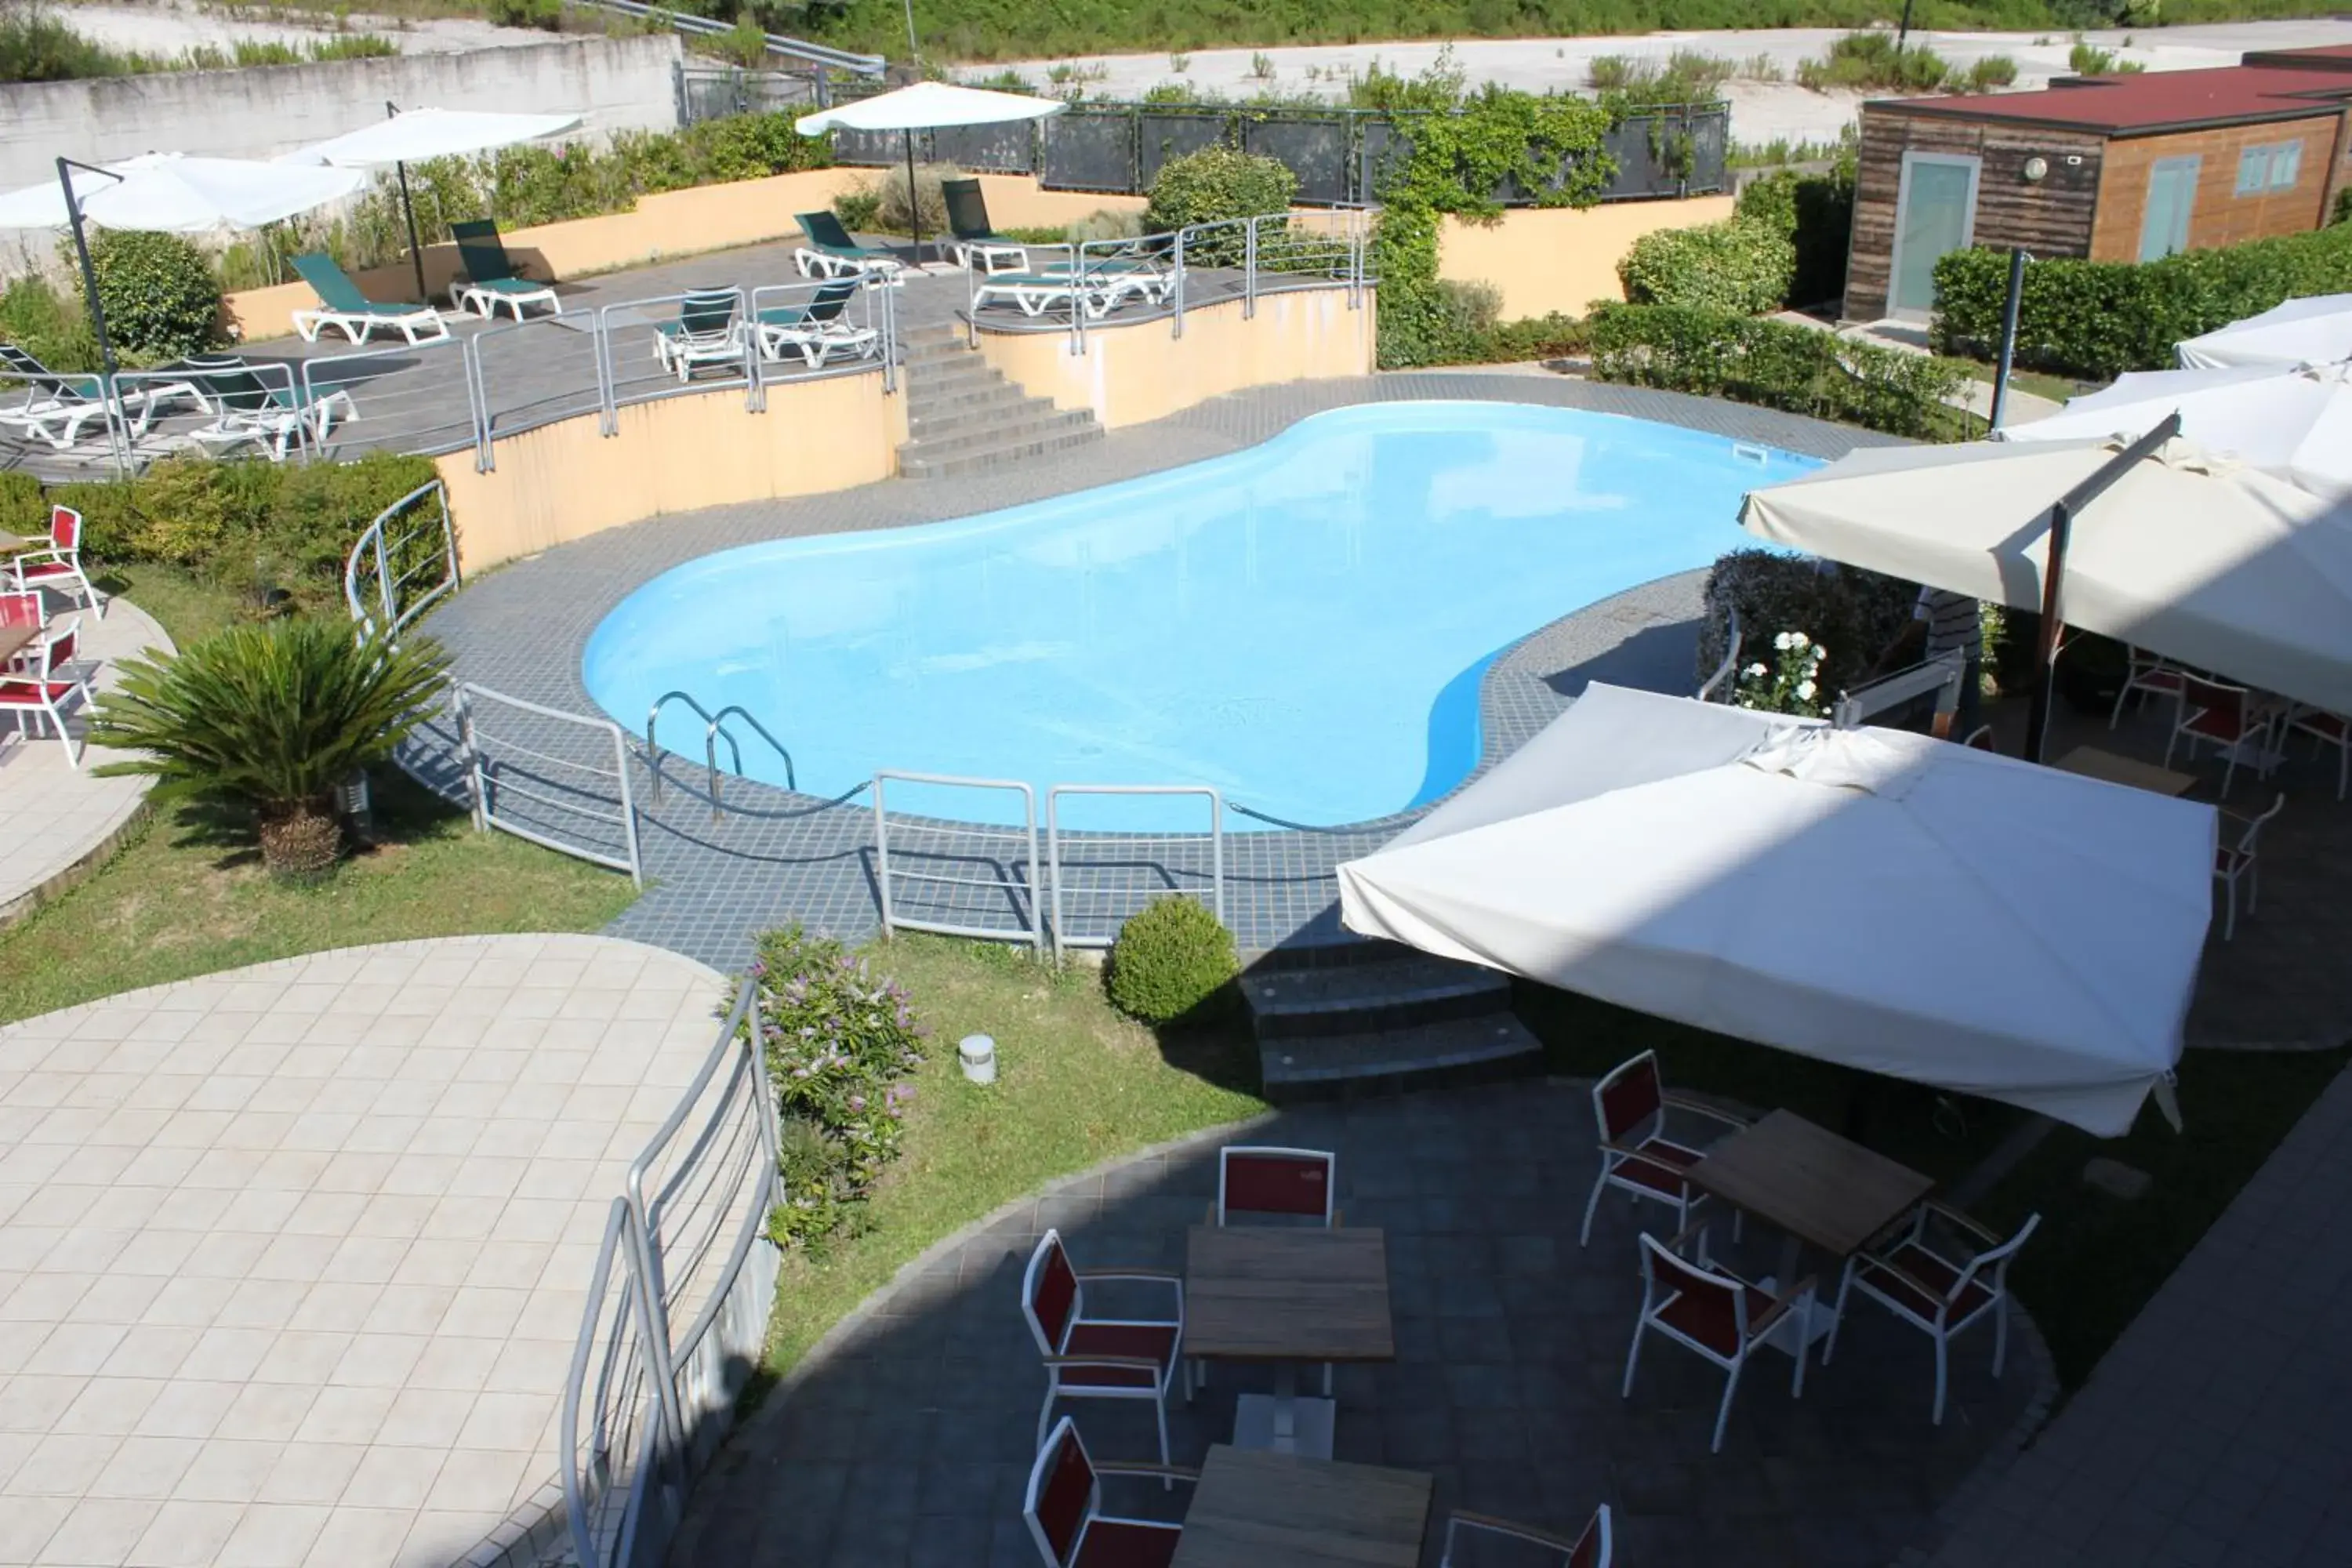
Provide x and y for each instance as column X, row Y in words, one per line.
column 406, row 136
column 928, row 106
column 2294, row 422
column 2198, row 558
column 1867, row 897
column 2312, row 330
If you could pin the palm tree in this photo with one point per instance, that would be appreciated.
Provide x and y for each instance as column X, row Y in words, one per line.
column 272, row 717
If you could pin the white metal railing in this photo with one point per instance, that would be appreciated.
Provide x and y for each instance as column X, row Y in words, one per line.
column 1941, row 675
column 959, row 879
column 714, row 729
column 407, row 558
column 1095, row 881
column 678, row 1307
column 823, row 56
column 518, row 782
column 1724, row 679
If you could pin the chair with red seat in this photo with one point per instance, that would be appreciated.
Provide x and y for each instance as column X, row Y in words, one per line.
column 56, row 561
column 2234, row 863
column 1589, row 1548
column 2146, row 675
column 1100, row 1358
column 1705, row 1308
column 2326, row 729
column 1937, row 1293
column 1064, row 1508
column 2230, row 717
column 19, row 610
column 1276, row 1183
column 1636, row 1156
column 39, row 685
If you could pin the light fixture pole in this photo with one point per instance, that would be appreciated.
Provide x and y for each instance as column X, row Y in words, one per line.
column 1901, row 28
column 913, row 50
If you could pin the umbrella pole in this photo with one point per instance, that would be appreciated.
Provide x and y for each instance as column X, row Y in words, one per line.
column 416, row 250
column 89, row 286
column 913, row 203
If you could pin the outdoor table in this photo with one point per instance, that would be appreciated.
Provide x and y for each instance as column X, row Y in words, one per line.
column 12, row 543
column 1820, row 1189
column 1270, row 1294
column 15, row 638
column 2095, row 763
column 1252, row 1509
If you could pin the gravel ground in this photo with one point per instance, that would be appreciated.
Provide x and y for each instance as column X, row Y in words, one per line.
column 172, row 29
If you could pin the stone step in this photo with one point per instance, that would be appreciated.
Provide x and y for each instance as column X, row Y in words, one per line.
column 943, row 351
column 961, row 398
column 1011, row 449
column 1351, row 998
column 932, row 426
column 993, row 431
column 951, row 375
column 1450, row 1052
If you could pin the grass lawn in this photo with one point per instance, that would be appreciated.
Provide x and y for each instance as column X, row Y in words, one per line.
column 2056, row 388
column 186, row 606
column 1076, row 1084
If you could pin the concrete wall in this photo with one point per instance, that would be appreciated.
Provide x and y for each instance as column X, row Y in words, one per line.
column 1560, row 259
column 564, row 481
column 1131, row 374
column 620, row 83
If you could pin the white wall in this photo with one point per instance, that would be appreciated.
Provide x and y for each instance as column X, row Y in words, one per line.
column 622, row 83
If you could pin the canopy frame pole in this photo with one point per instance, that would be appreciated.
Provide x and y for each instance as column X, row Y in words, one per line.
column 107, row 366
column 2054, row 572
column 914, row 201
column 2017, row 260
column 408, row 210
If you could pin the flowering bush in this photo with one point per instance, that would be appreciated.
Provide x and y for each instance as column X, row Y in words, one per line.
column 839, row 1041
column 1790, row 683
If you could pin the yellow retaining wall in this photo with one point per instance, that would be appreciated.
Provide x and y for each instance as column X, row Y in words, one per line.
column 1131, row 374
column 1560, row 259
column 564, row 481
column 661, row 228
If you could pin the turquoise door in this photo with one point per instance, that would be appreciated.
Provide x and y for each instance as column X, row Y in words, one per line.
column 2171, row 193
column 1935, row 212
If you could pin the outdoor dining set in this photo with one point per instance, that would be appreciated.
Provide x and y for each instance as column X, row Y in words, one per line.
column 1274, row 1278
column 41, row 673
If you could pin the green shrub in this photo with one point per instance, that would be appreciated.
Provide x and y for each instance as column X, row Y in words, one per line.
column 1816, row 212
column 893, row 215
column 271, row 718
column 545, row 15
column 1777, row 365
column 1555, row 336
column 1468, row 311
column 860, row 210
column 159, row 297
column 1743, row 264
column 1849, row 616
column 2087, row 58
column 2343, row 213
column 1174, row 960
column 1869, row 62
column 839, row 1041
column 51, row 326
column 1213, row 186
column 2099, row 319
column 1988, row 73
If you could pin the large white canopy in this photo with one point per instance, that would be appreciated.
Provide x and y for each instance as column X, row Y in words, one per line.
column 2290, row 421
column 1882, row 899
column 182, row 194
column 2202, row 559
column 413, row 135
column 2314, row 329
column 928, row 106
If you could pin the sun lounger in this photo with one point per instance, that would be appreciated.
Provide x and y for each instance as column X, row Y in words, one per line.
column 704, row 334
column 975, row 240
column 56, row 408
column 816, row 330
column 343, row 306
column 1094, row 290
column 831, row 252
column 490, row 278
column 270, row 412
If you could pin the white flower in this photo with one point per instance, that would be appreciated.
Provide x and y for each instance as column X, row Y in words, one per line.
column 1804, row 692
column 1798, row 639
column 1819, row 653
column 1757, row 672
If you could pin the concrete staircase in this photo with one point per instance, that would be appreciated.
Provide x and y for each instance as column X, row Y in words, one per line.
column 963, row 416
column 1391, row 1020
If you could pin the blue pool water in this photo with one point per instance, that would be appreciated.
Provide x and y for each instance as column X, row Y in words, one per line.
column 1302, row 624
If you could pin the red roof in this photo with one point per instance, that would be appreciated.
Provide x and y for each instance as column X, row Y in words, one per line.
column 2157, row 100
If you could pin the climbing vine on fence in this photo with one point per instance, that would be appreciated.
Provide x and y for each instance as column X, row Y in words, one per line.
column 1548, row 147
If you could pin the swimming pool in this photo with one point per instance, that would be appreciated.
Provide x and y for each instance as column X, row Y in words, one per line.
column 1301, row 625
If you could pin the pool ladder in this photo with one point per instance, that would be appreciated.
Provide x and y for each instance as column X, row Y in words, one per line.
column 714, row 729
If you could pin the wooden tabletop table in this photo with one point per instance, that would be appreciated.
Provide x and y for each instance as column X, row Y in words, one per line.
column 1286, row 1296
column 12, row 543
column 1254, row 1508
column 1820, row 1189
column 15, row 638
column 2095, row 763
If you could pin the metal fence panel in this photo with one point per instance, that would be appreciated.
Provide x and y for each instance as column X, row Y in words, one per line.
column 706, row 94
column 1382, row 146
column 1088, row 149
column 961, row 879
column 404, row 562
column 1162, row 134
column 1316, row 149
column 1099, row 880
column 872, row 148
column 624, row 1489
column 559, row 779
column 990, row 149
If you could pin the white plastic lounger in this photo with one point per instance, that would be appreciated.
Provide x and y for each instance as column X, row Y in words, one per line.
column 56, row 408
column 344, row 308
column 1033, row 291
column 253, row 410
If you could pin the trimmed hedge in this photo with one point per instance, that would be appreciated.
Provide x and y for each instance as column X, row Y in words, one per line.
column 1749, row 359
column 1816, row 212
column 1743, row 264
column 1173, row 962
column 279, row 531
column 160, row 298
column 1217, row 185
column 2101, row 317
column 1854, row 615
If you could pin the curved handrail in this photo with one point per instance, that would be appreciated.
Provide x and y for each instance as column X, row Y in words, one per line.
column 369, row 544
column 1730, row 661
column 717, row 728
column 653, row 746
column 714, row 729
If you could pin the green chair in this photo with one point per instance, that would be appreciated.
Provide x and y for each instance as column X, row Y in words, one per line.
column 976, row 242
column 828, row 249
column 264, row 410
column 815, row 329
column 343, row 306
column 490, row 278
column 705, row 332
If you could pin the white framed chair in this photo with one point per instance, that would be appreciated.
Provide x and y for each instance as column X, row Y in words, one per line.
column 707, row 331
column 1938, row 1294
column 2146, row 675
column 2233, row 718
column 1636, row 1156
column 55, row 561
column 1100, row 1358
column 2326, row 729
column 39, row 685
column 1265, row 1183
column 2234, row 863
column 1589, row 1548
column 1063, row 1508
column 1707, row 1309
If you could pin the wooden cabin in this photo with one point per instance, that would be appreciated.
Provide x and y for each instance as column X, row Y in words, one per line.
column 2125, row 168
